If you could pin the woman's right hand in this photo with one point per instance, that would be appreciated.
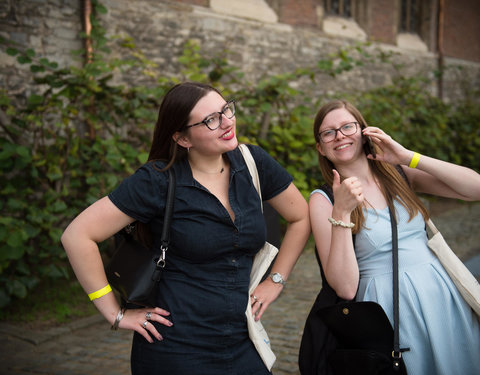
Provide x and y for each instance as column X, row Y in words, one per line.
column 348, row 194
column 135, row 319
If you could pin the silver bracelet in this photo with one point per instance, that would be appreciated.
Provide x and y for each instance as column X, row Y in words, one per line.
column 340, row 223
column 119, row 317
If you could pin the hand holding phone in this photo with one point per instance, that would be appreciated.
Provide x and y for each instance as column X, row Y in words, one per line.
column 371, row 147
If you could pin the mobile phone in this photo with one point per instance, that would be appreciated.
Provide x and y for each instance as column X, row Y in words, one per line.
column 371, row 147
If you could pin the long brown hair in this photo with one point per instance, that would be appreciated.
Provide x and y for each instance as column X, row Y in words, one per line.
column 391, row 183
column 173, row 116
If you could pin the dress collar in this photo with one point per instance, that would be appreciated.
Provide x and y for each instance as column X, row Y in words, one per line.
column 184, row 174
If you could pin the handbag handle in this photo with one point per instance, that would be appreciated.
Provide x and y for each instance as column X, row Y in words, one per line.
column 165, row 239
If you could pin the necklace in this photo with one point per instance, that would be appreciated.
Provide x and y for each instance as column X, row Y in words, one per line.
column 205, row 172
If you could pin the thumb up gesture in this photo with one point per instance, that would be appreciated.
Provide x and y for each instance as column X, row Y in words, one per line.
column 348, row 193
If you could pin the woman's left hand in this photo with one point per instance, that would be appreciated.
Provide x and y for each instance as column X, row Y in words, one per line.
column 390, row 150
column 263, row 295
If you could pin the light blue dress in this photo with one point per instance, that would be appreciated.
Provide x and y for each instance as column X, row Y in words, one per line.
column 438, row 326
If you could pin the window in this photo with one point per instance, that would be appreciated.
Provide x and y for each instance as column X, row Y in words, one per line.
column 410, row 19
column 414, row 24
column 340, row 8
column 340, row 18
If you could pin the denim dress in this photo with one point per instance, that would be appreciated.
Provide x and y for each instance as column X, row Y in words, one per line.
column 205, row 282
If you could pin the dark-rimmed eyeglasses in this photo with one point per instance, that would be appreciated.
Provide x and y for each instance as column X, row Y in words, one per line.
column 330, row 134
column 214, row 120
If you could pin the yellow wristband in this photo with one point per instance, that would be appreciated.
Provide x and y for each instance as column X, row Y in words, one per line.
column 415, row 159
column 100, row 293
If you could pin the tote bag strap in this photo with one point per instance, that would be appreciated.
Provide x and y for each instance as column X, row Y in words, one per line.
column 252, row 168
column 432, row 227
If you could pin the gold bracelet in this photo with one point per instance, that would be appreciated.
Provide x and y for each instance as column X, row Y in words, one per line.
column 340, row 223
column 414, row 161
column 100, row 293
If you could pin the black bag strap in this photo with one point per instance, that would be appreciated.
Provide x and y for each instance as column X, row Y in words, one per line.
column 165, row 239
column 396, row 354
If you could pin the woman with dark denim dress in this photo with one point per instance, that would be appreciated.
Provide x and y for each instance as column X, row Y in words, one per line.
column 199, row 324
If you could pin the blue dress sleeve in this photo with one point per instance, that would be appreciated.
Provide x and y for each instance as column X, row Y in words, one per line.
column 320, row 191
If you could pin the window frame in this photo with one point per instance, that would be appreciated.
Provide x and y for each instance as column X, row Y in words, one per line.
column 342, row 4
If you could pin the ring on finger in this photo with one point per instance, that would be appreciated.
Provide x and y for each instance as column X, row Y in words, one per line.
column 254, row 297
column 144, row 324
column 148, row 315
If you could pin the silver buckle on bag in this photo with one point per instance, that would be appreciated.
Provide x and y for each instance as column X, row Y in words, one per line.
column 161, row 260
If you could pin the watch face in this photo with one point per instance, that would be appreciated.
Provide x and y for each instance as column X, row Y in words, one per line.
column 276, row 277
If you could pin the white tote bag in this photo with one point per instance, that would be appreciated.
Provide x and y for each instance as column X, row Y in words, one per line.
column 465, row 282
column 261, row 263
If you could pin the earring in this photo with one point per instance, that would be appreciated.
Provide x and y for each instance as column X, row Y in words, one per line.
column 188, row 149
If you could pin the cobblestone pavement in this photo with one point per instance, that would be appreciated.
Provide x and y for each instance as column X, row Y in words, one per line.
column 89, row 347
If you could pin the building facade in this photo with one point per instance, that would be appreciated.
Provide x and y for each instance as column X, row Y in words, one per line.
column 262, row 36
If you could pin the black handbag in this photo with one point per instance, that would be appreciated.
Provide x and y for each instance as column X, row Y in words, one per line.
column 367, row 343
column 134, row 270
column 318, row 342
column 347, row 337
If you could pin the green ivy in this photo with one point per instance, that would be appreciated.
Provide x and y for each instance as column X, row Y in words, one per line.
column 423, row 122
column 74, row 138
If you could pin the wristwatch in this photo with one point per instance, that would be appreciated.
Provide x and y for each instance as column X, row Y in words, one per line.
column 277, row 278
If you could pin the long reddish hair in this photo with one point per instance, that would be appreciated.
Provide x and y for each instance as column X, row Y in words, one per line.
column 390, row 181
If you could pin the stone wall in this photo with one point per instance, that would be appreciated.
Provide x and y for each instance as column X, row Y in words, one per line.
column 258, row 46
column 50, row 28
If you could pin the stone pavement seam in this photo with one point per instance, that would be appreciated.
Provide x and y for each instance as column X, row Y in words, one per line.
column 37, row 337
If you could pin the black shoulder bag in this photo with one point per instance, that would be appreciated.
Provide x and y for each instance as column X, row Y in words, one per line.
column 347, row 337
column 134, row 270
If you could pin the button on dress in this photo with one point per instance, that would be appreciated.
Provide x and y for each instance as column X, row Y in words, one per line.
column 205, row 282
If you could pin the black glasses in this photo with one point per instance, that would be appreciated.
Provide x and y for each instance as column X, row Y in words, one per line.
column 214, row 120
column 330, row 134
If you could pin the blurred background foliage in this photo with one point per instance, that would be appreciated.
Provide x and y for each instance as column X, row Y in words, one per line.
column 80, row 132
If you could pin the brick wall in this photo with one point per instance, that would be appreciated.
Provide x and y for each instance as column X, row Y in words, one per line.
column 462, row 29
column 382, row 20
column 160, row 29
column 295, row 12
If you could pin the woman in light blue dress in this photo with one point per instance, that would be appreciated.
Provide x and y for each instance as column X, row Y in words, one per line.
column 438, row 326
